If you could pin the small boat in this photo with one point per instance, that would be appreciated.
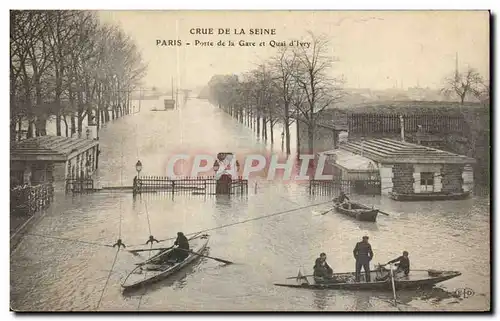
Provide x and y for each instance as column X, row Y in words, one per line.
column 437, row 196
column 358, row 211
column 150, row 271
column 346, row 281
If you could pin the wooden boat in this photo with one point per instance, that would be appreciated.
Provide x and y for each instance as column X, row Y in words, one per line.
column 358, row 211
column 150, row 271
column 437, row 196
column 346, row 281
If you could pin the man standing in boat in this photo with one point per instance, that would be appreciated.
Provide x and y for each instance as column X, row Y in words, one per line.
column 321, row 268
column 182, row 252
column 363, row 254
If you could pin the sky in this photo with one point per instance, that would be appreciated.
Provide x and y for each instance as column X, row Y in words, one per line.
column 375, row 49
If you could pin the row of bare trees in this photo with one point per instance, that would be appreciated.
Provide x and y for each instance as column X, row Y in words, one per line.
column 297, row 84
column 66, row 65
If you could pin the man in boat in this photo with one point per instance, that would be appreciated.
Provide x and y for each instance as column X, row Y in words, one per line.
column 403, row 264
column 182, row 251
column 363, row 254
column 321, row 268
column 343, row 199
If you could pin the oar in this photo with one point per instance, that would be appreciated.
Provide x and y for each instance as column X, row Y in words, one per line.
column 326, row 211
column 382, row 212
column 210, row 257
column 155, row 249
column 294, row 277
column 393, row 286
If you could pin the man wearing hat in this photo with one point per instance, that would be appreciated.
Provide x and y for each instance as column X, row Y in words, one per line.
column 363, row 254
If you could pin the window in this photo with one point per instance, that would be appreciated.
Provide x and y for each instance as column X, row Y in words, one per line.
column 427, row 182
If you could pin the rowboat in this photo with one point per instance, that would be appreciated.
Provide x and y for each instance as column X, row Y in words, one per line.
column 151, row 271
column 346, row 281
column 437, row 196
column 358, row 211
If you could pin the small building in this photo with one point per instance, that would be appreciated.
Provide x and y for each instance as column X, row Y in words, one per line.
column 357, row 171
column 52, row 159
column 414, row 170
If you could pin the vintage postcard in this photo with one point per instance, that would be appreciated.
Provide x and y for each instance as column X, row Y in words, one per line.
column 250, row 161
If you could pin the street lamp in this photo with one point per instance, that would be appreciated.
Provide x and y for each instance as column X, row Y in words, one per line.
column 138, row 167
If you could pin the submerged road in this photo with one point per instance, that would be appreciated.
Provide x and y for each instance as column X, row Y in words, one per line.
column 52, row 274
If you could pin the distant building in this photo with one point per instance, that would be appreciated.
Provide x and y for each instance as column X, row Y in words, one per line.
column 412, row 171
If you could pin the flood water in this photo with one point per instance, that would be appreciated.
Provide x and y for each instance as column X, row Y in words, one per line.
column 58, row 275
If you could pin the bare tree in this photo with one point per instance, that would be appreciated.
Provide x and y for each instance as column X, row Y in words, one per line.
column 463, row 85
column 283, row 66
column 318, row 90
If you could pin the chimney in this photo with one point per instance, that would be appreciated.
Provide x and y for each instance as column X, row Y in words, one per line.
column 402, row 121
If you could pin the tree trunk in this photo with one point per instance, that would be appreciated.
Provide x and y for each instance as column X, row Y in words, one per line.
column 20, row 128
column 13, row 124
column 310, row 138
column 73, row 125
column 66, row 124
column 30, row 129
column 298, row 138
column 271, row 129
column 264, row 128
column 258, row 125
column 287, row 136
column 58, row 123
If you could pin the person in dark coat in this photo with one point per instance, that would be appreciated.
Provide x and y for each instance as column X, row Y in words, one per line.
column 182, row 252
column 363, row 254
column 342, row 198
column 321, row 268
column 403, row 264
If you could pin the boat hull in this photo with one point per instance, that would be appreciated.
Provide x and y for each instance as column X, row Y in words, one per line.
column 415, row 280
column 361, row 213
column 429, row 196
column 141, row 276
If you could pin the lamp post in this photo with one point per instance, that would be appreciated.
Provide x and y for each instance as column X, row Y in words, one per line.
column 138, row 167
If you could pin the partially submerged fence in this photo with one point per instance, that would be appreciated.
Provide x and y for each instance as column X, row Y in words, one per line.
column 334, row 187
column 27, row 199
column 79, row 185
column 204, row 185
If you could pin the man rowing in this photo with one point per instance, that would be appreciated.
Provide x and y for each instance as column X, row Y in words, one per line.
column 363, row 254
column 403, row 264
column 342, row 199
column 182, row 251
column 321, row 268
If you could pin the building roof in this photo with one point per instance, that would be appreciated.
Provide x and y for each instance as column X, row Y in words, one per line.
column 392, row 152
column 350, row 161
column 49, row 148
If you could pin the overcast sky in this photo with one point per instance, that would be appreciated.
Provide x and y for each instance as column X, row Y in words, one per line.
column 376, row 49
